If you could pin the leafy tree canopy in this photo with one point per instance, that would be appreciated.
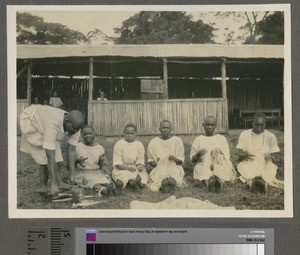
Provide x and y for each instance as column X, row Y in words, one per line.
column 272, row 29
column 259, row 27
column 148, row 27
column 33, row 30
column 97, row 36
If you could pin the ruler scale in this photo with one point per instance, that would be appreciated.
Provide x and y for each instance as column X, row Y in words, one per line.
column 61, row 241
column 37, row 241
column 53, row 241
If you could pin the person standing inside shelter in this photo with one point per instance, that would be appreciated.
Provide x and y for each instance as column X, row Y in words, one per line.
column 43, row 128
column 129, row 161
column 35, row 100
column 102, row 96
column 210, row 153
column 166, row 155
column 258, row 151
column 55, row 101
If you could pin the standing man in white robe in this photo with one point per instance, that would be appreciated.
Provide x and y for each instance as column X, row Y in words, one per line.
column 43, row 128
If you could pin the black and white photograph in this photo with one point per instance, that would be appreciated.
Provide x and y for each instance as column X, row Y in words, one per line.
column 150, row 111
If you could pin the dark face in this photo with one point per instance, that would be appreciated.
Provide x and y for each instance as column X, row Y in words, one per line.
column 259, row 125
column 209, row 127
column 88, row 135
column 130, row 134
column 71, row 128
column 102, row 95
column 55, row 94
column 165, row 129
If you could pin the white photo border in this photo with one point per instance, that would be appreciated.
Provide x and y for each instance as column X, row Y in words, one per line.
column 14, row 212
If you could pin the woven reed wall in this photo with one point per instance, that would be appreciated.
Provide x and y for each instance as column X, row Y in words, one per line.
column 109, row 118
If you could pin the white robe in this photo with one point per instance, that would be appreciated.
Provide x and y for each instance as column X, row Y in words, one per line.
column 258, row 145
column 217, row 155
column 90, row 153
column 129, row 154
column 42, row 128
column 162, row 149
column 91, row 175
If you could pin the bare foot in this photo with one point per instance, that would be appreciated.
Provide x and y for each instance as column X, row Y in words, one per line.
column 165, row 186
column 211, row 184
column 219, row 185
column 139, row 182
column 119, row 187
column 54, row 189
column 110, row 189
column 172, row 184
column 43, row 189
column 134, row 186
column 63, row 185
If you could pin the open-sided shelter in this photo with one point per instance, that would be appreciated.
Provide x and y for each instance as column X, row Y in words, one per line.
column 145, row 84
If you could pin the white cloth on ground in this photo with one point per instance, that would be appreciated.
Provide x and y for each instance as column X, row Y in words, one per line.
column 258, row 145
column 42, row 128
column 217, row 155
column 180, row 203
column 159, row 150
column 129, row 154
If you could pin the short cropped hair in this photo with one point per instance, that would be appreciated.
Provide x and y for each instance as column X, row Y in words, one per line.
column 87, row 126
column 259, row 115
column 208, row 118
column 131, row 125
column 163, row 121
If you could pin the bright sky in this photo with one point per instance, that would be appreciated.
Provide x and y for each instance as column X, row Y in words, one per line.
column 106, row 21
column 85, row 21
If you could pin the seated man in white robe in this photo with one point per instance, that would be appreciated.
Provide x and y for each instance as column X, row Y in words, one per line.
column 129, row 161
column 210, row 153
column 258, row 151
column 166, row 155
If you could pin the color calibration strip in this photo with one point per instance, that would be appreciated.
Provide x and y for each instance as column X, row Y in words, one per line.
column 174, row 241
column 175, row 249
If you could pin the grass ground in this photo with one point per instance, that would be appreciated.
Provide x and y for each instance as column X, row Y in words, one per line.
column 235, row 194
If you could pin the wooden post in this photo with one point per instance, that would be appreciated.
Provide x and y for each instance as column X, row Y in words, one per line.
column 223, row 71
column 29, row 82
column 224, row 94
column 21, row 71
column 91, row 82
column 165, row 78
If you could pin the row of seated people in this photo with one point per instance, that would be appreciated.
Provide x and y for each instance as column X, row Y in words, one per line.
column 258, row 153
